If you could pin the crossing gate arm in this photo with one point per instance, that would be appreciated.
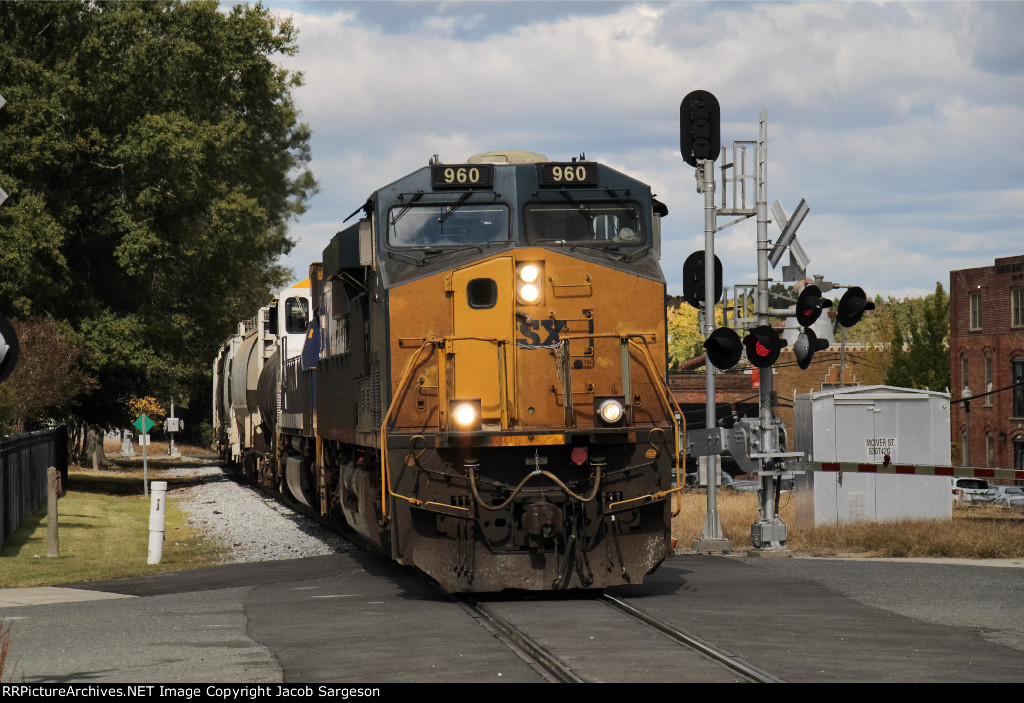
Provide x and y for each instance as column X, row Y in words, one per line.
column 911, row 470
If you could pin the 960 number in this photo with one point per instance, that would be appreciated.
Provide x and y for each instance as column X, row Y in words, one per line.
column 569, row 174
column 461, row 175
column 561, row 174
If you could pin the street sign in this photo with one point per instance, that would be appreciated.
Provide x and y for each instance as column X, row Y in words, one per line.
column 143, row 424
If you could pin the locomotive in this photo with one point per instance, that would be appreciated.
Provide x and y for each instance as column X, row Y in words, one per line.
column 473, row 377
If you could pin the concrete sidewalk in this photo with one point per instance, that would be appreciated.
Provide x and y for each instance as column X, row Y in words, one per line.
column 43, row 595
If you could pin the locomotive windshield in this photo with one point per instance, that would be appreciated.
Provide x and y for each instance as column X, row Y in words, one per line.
column 296, row 315
column 447, row 224
column 598, row 222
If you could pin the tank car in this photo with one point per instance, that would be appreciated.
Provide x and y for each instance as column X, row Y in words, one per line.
column 482, row 390
column 247, row 378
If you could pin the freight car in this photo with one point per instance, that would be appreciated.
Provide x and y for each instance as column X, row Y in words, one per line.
column 480, row 390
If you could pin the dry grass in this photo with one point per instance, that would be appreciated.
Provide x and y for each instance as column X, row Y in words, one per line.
column 973, row 533
column 156, row 450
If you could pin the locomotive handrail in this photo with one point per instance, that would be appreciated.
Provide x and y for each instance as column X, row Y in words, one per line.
column 648, row 361
column 385, row 474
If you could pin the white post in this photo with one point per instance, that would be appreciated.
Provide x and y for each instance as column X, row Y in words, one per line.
column 157, row 519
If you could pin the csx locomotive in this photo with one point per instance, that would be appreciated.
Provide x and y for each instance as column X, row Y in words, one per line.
column 473, row 378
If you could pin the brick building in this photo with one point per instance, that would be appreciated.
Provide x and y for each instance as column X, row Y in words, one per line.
column 986, row 348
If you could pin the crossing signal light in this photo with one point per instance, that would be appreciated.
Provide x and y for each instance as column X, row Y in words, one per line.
column 852, row 306
column 763, row 346
column 805, row 346
column 699, row 127
column 8, row 348
column 810, row 304
column 723, row 348
column 694, row 279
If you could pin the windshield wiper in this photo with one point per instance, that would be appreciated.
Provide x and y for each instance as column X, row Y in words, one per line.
column 580, row 207
column 462, row 198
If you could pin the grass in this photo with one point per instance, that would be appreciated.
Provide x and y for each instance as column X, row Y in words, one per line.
column 104, row 530
column 975, row 532
column 103, row 533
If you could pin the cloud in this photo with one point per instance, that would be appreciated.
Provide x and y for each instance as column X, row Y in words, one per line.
column 900, row 123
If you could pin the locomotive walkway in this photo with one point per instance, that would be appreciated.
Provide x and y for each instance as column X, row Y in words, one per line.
column 359, row 618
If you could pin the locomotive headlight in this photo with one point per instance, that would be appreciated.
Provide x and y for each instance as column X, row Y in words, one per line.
column 529, row 293
column 611, row 411
column 465, row 414
column 528, row 287
column 529, row 273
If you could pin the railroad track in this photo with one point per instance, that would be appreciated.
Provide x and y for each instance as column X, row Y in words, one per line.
column 559, row 664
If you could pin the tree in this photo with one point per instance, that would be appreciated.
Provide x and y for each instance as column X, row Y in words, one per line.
column 685, row 338
column 48, row 380
column 919, row 355
column 153, row 155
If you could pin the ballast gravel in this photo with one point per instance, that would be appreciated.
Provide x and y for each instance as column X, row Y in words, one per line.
column 249, row 525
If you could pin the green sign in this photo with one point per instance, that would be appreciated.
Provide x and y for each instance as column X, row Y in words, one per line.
column 143, row 424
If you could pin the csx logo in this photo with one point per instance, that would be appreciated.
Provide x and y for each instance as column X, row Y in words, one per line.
column 532, row 333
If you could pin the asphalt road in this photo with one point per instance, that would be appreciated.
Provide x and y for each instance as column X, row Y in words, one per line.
column 359, row 618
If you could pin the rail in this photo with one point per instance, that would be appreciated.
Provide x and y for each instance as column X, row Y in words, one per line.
column 23, row 463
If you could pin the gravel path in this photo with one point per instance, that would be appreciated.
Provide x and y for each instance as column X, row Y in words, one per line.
column 252, row 527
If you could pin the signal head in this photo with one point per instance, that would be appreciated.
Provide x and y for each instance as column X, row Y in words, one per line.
column 700, row 119
column 693, row 279
column 805, row 346
column 723, row 348
column 809, row 305
column 9, row 347
column 852, row 306
column 763, row 346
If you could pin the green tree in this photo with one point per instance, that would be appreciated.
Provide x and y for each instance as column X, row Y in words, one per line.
column 153, row 156
column 919, row 354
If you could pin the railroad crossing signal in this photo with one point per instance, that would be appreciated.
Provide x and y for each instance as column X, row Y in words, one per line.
column 809, row 305
column 724, row 348
column 852, row 306
column 763, row 346
column 805, row 346
column 9, row 347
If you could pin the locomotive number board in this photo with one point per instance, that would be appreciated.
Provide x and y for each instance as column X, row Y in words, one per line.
column 573, row 173
column 462, row 176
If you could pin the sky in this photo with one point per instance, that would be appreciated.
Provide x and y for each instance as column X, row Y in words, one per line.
column 900, row 123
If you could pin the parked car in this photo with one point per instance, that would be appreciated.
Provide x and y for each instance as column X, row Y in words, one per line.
column 1006, row 496
column 968, row 490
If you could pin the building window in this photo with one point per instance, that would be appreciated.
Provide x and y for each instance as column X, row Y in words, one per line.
column 1018, row 453
column 965, row 449
column 1017, row 376
column 990, row 450
column 988, row 379
column 975, row 311
column 1017, row 306
column 963, row 370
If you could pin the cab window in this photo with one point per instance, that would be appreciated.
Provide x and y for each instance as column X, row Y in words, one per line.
column 584, row 221
column 447, row 224
column 296, row 315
